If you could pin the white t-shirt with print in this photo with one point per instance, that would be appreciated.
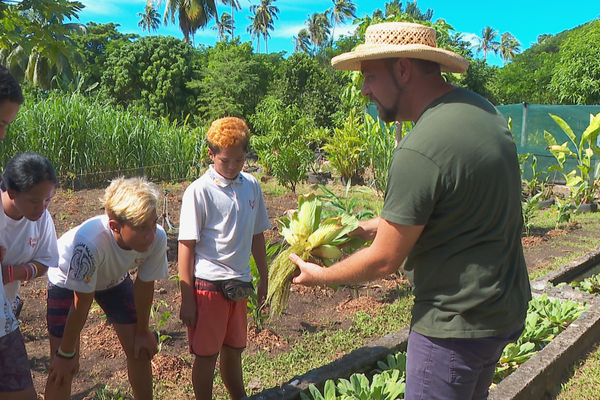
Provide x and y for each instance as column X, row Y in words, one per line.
column 222, row 216
column 91, row 260
column 24, row 241
column 8, row 322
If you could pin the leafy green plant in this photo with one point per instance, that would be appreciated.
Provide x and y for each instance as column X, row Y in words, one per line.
column 346, row 148
column 585, row 150
column 346, row 204
column 564, row 211
column 159, row 319
column 590, row 285
column 255, row 310
column 283, row 144
column 530, row 206
column 393, row 361
column 535, row 185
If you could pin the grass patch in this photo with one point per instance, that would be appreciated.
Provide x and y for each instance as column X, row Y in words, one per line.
column 584, row 379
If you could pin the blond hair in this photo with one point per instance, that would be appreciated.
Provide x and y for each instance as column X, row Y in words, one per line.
column 130, row 200
column 228, row 132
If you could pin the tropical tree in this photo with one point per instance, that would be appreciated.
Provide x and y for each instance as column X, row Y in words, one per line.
column 36, row 43
column 393, row 9
column 255, row 30
column 224, row 26
column 235, row 5
column 318, row 29
column 509, row 47
column 487, row 41
column 192, row 14
column 302, row 41
column 264, row 16
column 149, row 19
column 341, row 10
column 413, row 10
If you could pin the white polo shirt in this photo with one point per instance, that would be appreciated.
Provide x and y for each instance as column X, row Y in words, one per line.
column 8, row 322
column 222, row 216
column 91, row 260
column 24, row 241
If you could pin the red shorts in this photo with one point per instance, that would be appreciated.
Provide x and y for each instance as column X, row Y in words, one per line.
column 220, row 322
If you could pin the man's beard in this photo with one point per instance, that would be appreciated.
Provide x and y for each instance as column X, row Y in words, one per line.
column 389, row 114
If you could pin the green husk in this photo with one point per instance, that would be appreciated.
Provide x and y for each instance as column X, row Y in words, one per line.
column 311, row 240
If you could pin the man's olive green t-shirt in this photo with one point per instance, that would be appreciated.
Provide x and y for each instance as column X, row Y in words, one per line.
column 457, row 173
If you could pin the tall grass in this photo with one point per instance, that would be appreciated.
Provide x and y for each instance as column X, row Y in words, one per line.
column 89, row 142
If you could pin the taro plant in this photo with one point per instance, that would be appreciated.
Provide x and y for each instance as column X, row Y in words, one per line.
column 586, row 154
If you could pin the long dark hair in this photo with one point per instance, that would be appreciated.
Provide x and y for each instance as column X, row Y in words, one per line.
column 25, row 170
column 9, row 87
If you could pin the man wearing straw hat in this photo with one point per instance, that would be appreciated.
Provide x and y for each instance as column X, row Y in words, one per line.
column 452, row 210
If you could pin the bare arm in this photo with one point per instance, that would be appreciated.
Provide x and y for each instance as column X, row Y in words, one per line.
column 144, row 339
column 391, row 246
column 367, row 230
column 21, row 271
column 185, row 262
column 260, row 258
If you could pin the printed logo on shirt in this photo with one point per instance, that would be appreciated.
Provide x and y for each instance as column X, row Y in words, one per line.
column 252, row 202
column 82, row 267
column 33, row 241
column 139, row 261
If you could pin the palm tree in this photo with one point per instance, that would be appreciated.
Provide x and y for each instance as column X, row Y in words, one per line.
column 341, row 10
column 302, row 41
column 224, row 26
column 487, row 41
column 255, row 30
column 192, row 14
column 509, row 47
column 235, row 5
column 393, row 9
column 264, row 16
column 149, row 19
column 318, row 29
column 414, row 11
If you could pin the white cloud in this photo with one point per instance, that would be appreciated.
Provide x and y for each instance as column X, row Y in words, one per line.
column 288, row 31
column 471, row 38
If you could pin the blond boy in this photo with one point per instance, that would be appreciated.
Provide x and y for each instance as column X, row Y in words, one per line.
column 95, row 260
column 223, row 217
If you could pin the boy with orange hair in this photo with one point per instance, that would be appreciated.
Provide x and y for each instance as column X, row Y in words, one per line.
column 223, row 217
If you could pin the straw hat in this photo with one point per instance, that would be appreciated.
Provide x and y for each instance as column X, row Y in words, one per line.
column 400, row 40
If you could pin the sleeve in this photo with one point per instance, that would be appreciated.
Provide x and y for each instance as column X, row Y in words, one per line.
column 192, row 216
column 155, row 266
column 412, row 190
column 262, row 222
column 83, row 266
column 47, row 247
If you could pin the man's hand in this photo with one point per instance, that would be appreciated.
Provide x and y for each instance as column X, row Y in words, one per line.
column 187, row 312
column 63, row 370
column 145, row 339
column 367, row 230
column 310, row 274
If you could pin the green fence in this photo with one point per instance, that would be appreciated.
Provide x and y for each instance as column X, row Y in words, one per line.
column 529, row 122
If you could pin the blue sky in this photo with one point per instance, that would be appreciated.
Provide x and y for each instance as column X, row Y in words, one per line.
column 525, row 19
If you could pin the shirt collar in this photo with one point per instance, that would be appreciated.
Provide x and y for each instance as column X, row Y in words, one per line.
column 221, row 181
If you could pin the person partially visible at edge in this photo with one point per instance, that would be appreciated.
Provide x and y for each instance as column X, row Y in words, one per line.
column 11, row 99
column 223, row 217
column 452, row 209
column 28, row 242
column 95, row 260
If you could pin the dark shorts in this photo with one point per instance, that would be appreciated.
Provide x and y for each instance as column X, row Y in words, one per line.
column 453, row 369
column 117, row 302
column 15, row 375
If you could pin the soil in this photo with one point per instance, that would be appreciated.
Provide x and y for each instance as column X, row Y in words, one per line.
column 310, row 309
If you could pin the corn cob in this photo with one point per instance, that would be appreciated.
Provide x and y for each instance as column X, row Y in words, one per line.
column 311, row 240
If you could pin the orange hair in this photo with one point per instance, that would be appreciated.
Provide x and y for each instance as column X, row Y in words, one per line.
column 228, row 132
